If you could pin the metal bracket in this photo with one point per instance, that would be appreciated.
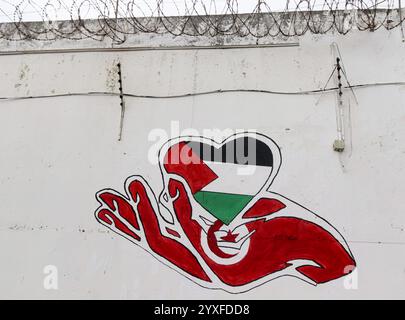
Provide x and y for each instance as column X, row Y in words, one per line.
column 122, row 102
column 401, row 20
column 339, row 144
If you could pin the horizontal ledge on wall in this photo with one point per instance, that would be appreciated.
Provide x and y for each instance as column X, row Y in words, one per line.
column 128, row 49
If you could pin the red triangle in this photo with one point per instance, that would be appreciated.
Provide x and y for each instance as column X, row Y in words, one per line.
column 180, row 159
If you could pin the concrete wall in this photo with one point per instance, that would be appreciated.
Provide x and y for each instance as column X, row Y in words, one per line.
column 55, row 153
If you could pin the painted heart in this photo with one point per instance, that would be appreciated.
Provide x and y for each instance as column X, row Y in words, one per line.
column 215, row 173
column 217, row 221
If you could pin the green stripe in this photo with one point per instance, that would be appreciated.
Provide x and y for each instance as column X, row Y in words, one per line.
column 223, row 206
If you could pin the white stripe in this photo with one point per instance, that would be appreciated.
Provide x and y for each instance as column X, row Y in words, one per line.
column 237, row 179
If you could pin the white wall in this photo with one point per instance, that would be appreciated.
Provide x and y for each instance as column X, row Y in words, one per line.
column 55, row 153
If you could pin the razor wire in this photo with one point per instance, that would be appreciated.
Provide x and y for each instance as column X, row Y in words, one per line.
column 48, row 20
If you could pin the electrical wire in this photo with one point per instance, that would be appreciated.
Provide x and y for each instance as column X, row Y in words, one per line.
column 211, row 92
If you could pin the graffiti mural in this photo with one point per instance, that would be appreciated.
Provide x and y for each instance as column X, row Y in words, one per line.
column 217, row 222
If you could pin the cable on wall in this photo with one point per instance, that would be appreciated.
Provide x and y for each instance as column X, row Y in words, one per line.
column 211, row 92
column 122, row 102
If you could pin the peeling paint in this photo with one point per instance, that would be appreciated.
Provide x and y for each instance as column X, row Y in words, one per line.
column 112, row 77
column 23, row 73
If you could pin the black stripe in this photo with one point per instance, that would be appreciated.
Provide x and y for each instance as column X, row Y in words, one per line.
column 243, row 150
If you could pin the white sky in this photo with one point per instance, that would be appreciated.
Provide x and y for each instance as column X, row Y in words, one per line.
column 37, row 10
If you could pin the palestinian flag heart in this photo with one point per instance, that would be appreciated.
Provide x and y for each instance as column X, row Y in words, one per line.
column 216, row 175
column 222, row 231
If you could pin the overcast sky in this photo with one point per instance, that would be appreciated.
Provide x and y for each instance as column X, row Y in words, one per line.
column 34, row 10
